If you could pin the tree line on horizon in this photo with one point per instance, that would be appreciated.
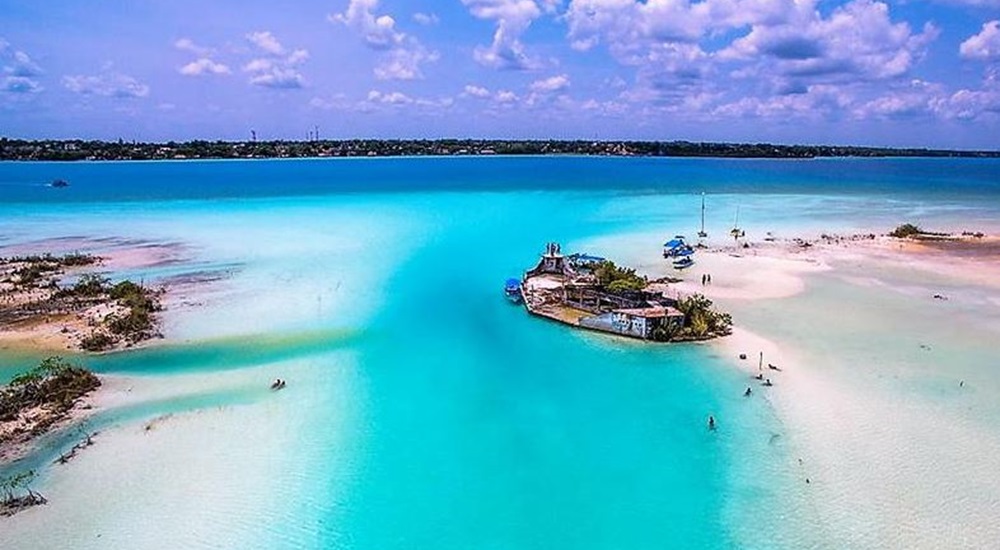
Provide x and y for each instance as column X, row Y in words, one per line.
column 68, row 150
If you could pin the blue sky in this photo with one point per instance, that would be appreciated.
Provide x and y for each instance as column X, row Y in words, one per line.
column 912, row 73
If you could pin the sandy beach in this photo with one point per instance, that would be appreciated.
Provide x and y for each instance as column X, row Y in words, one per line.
column 923, row 460
column 62, row 331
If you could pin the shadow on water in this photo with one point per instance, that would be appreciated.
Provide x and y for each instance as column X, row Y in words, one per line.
column 222, row 353
column 49, row 447
column 492, row 419
column 199, row 356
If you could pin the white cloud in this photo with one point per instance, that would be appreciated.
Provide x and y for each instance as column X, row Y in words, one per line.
column 973, row 104
column 258, row 65
column 188, row 45
column 506, row 96
column 397, row 99
column 18, row 70
column 781, row 48
column 426, row 19
column 476, row 91
column 916, row 98
column 203, row 66
column 266, row 42
column 628, row 27
column 513, row 17
column 278, row 77
column 858, row 41
column 108, row 84
column 277, row 68
column 20, row 64
column 394, row 98
column 19, row 85
column 297, row 57
column 985, row 45
column 552, row 84
column 378, row 31
column 404, row 64
column 404, row 54
column 817, row 102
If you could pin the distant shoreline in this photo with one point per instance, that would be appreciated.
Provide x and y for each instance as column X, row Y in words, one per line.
column 83, row 150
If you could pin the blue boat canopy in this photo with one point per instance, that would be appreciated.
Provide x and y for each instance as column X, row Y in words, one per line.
column 587, row 258
column 512, row 284
column 673, row 243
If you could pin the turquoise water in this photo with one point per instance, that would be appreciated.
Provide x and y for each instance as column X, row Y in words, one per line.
column 423, row 411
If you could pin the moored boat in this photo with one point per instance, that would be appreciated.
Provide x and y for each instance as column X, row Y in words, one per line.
column 512, row 290
column 683, row 263
column 677, row 247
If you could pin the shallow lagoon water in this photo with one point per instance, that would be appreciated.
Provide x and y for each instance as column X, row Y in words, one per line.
column 422, row 409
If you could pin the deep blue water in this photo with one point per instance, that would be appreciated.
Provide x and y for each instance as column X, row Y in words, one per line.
column 176, row 180
column 432, row 413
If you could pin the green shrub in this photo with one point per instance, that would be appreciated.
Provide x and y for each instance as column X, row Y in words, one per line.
column 701, row 320
column 906, row 230
column 97, row 340
column 617, row 279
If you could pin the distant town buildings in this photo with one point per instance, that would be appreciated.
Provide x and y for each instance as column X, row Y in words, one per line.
column 17, row 149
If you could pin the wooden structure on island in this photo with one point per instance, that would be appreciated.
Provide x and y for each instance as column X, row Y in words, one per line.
column 565, row 289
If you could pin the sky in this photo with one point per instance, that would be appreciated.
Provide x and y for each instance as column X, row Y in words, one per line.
column 920, row 73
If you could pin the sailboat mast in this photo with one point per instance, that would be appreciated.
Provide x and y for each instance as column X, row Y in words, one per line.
column 702, row 212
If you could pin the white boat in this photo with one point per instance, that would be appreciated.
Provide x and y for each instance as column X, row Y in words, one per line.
column 683, row 263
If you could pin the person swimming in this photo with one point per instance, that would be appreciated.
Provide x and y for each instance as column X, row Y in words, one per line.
column 768, row 382
column 748, row 392
column 711, row 422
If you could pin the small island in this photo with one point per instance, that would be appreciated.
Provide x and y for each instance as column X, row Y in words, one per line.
column 38, row 400
column 33, row 403
column 55, row 299
column 593, row 293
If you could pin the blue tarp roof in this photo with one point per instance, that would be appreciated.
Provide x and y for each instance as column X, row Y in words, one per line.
column 588, row 258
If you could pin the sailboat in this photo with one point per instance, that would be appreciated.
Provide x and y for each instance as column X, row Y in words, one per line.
column 736, row 231
column 702, row 234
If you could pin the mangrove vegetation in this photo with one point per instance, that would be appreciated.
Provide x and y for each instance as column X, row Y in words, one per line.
column 16, row 493
column 38, row 399
column 106, row 314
